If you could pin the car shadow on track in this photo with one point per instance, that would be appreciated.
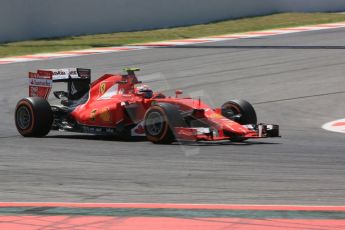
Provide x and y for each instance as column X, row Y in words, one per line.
column 220, row 143
column 96, row 138
column 143, row 139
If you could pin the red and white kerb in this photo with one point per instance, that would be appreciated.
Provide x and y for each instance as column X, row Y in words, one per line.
column 335, row 126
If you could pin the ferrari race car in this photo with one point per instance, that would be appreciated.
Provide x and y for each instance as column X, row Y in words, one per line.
column 120, row 105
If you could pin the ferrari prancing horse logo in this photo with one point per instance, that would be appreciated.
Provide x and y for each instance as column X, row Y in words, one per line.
column 93, row 115
column 102, row 88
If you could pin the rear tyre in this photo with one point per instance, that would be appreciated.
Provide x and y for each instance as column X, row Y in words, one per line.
column 240, row 111
column 33, row 117
column 160, row 121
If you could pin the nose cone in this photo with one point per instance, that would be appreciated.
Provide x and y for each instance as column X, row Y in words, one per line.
column 235, row 128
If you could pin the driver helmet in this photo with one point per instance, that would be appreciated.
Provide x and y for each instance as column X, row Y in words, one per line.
column 145, row 91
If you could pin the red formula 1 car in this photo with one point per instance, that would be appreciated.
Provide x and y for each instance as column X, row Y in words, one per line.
column 120, row 105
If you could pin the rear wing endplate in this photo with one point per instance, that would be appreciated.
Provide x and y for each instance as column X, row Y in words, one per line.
column 40, row 83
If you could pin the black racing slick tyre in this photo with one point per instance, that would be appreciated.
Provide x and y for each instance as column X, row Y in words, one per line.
column 159, row 123
column 33, row 117
column 240, row 111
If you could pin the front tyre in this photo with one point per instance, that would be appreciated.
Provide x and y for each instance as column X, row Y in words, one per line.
column 240, row 111
column 33, row 117
column 157, row 127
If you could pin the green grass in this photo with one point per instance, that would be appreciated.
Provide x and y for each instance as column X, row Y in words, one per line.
column 125, row 38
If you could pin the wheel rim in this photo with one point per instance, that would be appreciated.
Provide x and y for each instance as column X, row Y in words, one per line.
column 230, row 110
column 23, row 117
column 154, row 123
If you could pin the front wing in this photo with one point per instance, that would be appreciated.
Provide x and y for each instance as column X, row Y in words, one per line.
column 214, row 134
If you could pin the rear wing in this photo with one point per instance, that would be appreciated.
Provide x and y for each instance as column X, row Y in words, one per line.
column 78, row 80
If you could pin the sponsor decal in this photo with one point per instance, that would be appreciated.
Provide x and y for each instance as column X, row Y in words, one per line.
column 335, row 126
column 138, row 131
column 102, row 88
column 105, row 115
column 88, row 129
column 62, row 74
column 93, row 115
column 73, row 73
column 84, row 73
column 59, row 72
column 109, row 130
column 40, row 84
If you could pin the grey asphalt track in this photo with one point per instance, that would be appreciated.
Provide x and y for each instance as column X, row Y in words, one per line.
column 296, row 80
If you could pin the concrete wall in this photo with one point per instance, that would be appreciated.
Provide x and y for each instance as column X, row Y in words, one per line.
column 310, row 5
column 30, row 19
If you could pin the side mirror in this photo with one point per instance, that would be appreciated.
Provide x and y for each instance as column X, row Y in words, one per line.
column 178, row 92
